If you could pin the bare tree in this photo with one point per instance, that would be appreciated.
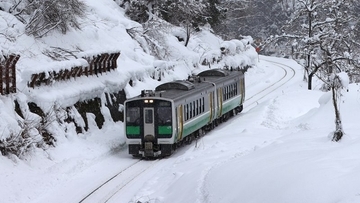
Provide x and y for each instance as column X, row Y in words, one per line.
column 188, row 14
column 48, row 15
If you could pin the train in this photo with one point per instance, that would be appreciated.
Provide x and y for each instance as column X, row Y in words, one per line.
column 159, row 121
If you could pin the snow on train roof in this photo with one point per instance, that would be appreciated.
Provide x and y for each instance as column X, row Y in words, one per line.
column 213, row 72
column 188, row 85
column 178, row 85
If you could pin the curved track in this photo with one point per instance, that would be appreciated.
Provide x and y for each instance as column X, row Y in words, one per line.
column 254, row 99
column 110, row 187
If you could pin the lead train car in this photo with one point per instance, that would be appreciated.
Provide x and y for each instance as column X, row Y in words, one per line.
column 157, row 122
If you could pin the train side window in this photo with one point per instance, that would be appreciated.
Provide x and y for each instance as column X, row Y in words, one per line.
column 194, row 109
column 203, row 105
column 234, row 86
column 227, row 92
column 190, row 110
column 223, row 93
column 200, row 106
column 234, row 92
column 230, row 91
column 197, row 107
column 186, row 112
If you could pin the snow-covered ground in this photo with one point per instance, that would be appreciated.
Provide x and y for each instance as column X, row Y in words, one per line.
column 276, row 151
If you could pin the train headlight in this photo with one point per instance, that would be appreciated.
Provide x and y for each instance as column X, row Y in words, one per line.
column 148, row 101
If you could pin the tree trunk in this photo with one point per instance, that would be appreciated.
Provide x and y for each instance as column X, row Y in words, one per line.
column 310, row 76
column 338, row 126
column 188, row 33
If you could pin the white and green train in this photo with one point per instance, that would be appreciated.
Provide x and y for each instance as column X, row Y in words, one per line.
column 157, row 122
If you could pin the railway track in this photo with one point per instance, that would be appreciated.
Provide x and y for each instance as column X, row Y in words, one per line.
column 254, row 99
column 105, row 191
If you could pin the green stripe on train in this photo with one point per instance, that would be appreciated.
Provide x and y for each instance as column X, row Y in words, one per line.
column 132, row 130
column 230, row 105
column 165, row 130
column 195, row 124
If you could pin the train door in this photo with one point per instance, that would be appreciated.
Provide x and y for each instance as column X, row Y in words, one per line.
column 220, row 101
column 180, row 121
column 212, row 106
column 149, row 121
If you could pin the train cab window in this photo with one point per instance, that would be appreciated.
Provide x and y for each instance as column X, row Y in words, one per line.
column 164, row 115
column 133, row 115
column 148, row 115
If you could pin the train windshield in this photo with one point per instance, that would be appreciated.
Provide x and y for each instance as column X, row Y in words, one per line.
column 133, row 115
column 164, row 112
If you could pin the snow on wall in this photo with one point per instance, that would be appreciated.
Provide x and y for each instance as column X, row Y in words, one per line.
column 103, row 30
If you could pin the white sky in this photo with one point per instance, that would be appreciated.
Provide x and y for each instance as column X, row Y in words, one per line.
column 277, row 150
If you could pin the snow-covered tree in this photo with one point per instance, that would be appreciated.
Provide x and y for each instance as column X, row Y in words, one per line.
column 48, row 15
column 338, row 82
column 189, row 14
column 321, row 36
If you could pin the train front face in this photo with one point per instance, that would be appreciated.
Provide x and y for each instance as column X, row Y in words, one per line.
column 149, row 126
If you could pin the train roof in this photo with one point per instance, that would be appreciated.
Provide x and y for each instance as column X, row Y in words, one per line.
column 199, row 83
column 214, row 73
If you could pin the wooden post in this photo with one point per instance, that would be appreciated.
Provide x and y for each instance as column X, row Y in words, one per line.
column 91, row 66
column 81, row 71
column 115, row 59
column 97, row 64
column 33, row 79
column 13, row 73
column 104, row 63
column 7, row 74
column 110, row 62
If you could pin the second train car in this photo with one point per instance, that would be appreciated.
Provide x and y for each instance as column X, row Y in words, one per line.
column 158, row 121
